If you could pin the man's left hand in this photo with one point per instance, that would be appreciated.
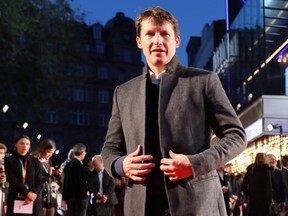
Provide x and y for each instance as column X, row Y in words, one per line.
column 177, row 167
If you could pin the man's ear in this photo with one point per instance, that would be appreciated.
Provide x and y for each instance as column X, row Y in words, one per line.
column 178, row 41
column 138, row 41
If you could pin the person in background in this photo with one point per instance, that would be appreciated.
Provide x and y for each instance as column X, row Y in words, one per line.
column 278, row 192
column 3, row 180
column 102, row 186
column 25, row 178
column 159, row 134
column 120, row 188
column 226, row 188
column 70, row 156
column 90, row 170
column 257, row 186
column 44, row 152
column 75, row 187
column 235, row 190
column 284, row 172
column 3, row 151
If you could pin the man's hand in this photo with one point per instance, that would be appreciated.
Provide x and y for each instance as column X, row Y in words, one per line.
column 177, row 167
column 103, row 198
column 135, row 165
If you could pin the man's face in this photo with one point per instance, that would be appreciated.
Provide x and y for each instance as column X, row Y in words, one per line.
column 158, row 43
column 98, row 164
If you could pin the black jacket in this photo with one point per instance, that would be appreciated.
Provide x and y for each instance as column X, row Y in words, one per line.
column 33, row 179
column 75, row 181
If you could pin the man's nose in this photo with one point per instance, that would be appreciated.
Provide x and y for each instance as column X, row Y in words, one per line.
column 157, row 39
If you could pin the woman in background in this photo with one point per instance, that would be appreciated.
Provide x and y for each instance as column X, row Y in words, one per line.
column 24, row 176
column 44, row 151
column 257, row 187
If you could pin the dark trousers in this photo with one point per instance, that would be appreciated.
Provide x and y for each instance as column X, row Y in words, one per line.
column 102, row 209
column 77, row 207
column 156, row 203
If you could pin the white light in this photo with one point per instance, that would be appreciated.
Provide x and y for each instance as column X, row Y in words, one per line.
column 39, row 136
column 270, row 127
column 5, row 108
column 25, row 125
column 57, row 152
column 238, row 107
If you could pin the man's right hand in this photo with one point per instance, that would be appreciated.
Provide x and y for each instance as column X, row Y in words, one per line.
column 137, row 166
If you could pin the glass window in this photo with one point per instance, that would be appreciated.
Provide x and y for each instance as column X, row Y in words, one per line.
column 102, row 73
column 52, row 117
column 79, row 94
column 103, row 96
column 79, row 117
column 104, row 119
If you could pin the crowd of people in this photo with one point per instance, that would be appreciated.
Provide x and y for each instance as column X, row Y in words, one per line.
column 30, row 185
column 260, row 191
column 82, row 187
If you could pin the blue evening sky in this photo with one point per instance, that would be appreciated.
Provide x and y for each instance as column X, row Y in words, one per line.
column 192, row 15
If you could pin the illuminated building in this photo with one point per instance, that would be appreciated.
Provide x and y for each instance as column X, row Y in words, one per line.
column 251, row 61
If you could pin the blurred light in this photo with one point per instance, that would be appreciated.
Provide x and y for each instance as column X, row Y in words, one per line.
column 250, row 96
column 238, row 107
column 25, row 125
column 39, row 136
column 57, row 151
column 250, row 78
column 270, row 127
column 256, row 72
column 5, row 108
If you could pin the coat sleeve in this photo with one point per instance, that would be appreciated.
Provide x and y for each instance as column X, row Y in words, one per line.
column 226, row 126
column 37, row 186
column 114, row 146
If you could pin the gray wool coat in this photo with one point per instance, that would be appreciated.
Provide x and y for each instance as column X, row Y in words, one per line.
column 192, row 104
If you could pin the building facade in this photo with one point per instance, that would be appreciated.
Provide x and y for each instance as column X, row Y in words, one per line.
column 83, row 115
column 251, row 61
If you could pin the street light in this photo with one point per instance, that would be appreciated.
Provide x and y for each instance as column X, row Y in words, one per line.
column 5, row 108
column 25, row 125
column 277, row 126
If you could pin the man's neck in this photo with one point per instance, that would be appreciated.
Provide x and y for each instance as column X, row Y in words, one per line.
column 157, row 70
column 78, row 158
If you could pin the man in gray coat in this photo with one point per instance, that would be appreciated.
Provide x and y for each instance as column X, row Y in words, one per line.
column 159, row 134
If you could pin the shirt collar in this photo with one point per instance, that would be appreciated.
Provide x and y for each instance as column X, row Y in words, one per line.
column 101, row 171
column 156, row 76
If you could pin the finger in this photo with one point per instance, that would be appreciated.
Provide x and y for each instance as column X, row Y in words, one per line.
column 171, row 174
column 165, row 168
column 141, row 159
column 141, row 172
column 173, row 178
column 143, row 166
column 166, row 161
column 138, row 178
column 172, row 154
